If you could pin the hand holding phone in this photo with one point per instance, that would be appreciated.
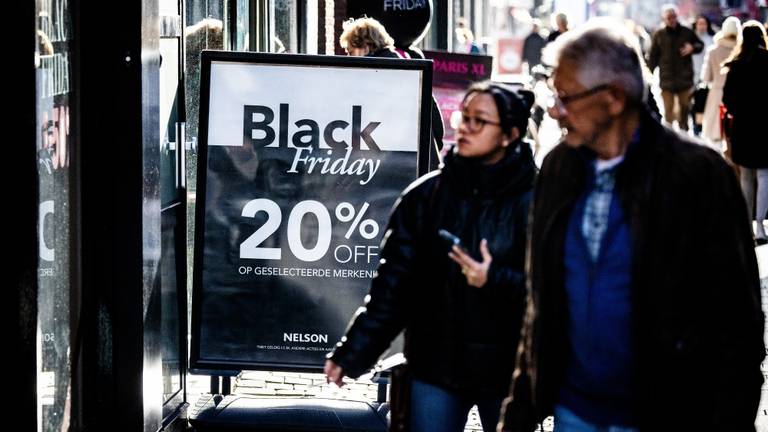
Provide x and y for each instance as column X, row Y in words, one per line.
column 475, row 272
column 450, row 238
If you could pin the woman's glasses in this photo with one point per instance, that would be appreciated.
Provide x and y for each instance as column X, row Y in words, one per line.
column 472, row 124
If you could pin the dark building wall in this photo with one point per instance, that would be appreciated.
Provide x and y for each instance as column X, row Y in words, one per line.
column 118, row 63
column 20, row 306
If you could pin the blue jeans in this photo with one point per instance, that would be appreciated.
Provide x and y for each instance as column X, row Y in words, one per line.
column 567, row 421
column 436, row 409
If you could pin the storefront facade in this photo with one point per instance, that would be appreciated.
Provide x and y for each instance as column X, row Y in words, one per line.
column 103, row 217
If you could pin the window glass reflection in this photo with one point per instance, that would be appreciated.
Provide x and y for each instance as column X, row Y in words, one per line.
column 169, row 136
column 285, row 16
column 204, row 30
column 53, row 145
column 170, row 318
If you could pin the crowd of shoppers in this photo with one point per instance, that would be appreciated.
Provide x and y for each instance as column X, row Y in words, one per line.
column 628, row 297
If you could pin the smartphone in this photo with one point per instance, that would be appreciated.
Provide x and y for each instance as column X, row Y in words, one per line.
column 450, row 238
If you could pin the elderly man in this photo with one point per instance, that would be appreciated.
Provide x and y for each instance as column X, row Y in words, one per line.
column 671, row 48
column 644, row 307
column 561, row 26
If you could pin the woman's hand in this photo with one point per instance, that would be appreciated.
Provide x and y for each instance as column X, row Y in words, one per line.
column 333, row 373
column 475, row 272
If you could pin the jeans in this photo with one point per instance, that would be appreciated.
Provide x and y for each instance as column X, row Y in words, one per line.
column 754, row 184
column 567, row 421
column 437, row 409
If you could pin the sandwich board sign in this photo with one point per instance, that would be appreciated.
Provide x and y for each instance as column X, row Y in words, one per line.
column 301, row 160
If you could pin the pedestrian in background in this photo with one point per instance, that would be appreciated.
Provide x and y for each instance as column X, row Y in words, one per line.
column 671, row 50
column 466, row 39
column 561, row 26
column 367, row 37
column 643, row 38
column 461, row 305
column 644, row 309
column 744, row 95
column 712, row 76
column 703, row 29
column 533, row 44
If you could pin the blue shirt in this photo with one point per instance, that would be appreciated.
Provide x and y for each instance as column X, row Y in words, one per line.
column 598, row 269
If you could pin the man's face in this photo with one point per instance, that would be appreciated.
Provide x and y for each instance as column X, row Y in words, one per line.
column 670, row 18
column 562, row 24
column 581, row 112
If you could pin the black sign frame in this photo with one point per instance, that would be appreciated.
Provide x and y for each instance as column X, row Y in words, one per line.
column 219, row 366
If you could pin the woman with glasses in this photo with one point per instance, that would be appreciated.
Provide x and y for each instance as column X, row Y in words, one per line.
column 451, row 271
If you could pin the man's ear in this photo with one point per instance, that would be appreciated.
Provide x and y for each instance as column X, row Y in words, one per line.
column 618, row 101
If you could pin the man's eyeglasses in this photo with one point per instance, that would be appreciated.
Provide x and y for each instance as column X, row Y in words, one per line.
column 561, row 101
column 473, row 124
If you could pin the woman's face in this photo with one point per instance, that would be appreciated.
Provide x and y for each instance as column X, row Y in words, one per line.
column 479, row 133
column 701, row 25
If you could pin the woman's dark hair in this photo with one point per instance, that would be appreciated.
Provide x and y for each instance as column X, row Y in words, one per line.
column 514, row 104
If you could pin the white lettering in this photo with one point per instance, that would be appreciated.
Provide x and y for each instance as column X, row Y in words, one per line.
column 363, row 167
column 358, row 274
column 404, row 5
column 305, row 337
column 54, row 76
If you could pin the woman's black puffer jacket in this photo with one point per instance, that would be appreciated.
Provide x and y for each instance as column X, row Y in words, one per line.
column 458, row 337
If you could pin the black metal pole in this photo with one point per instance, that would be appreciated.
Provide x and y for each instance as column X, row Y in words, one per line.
column 381, row 396
column 226, row 385
column 232, row 24
column 214, row 384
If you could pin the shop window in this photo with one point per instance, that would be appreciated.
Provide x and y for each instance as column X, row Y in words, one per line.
column 285, row 15
column 55, row 227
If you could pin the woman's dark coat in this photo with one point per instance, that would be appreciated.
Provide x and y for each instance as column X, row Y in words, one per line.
column 745, row 95
column 459, row 337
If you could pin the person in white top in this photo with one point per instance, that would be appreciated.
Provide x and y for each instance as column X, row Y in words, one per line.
column 725, row 41
column 702, row 26
column 703, row 29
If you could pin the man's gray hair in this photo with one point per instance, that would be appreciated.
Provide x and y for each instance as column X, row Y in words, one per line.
column 605, row 52
column 669, row 7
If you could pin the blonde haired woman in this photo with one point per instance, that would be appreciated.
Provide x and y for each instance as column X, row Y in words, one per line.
column 725, row 41
column 366, row 37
